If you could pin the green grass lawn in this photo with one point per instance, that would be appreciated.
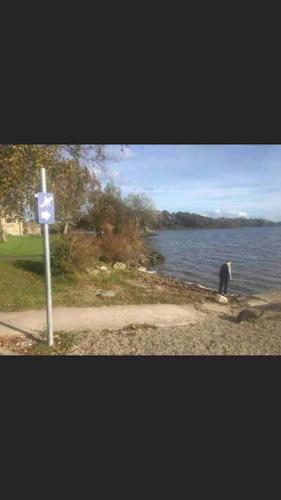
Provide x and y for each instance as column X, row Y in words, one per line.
column 22, row 246
column 22, row 286
column 22, row 282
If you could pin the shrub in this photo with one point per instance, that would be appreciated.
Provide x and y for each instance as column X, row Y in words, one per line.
column 125, row 246
column 107, row 228
column 74, row 253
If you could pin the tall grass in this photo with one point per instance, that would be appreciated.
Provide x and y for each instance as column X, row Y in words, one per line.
column 76, row 252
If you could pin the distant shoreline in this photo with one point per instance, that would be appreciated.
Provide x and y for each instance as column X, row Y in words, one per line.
column 187, row 220
column 189, row 228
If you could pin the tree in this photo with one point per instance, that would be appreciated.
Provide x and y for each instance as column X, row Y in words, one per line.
column 108, row 207
column 19, row 172
column 72, row 185
column 19, row 165
column 141, row 208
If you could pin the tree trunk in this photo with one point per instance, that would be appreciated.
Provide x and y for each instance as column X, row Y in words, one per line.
column 66, row 226
column 3, row 230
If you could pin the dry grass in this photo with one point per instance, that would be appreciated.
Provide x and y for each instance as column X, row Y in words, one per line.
column 125, row 246
column 74, row 253
column 64, row 343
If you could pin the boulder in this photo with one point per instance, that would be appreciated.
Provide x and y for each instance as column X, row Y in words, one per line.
column 221, row 299
column 142, row 269
column 105, row 294
column 103, row 268
column 248, row 315
column 143, row 260
column 121, row 266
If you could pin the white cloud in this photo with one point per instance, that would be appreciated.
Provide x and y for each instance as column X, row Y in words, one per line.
column 236, row 213
column 230, row 214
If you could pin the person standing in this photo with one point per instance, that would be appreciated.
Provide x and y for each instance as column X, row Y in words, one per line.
column 225, row 276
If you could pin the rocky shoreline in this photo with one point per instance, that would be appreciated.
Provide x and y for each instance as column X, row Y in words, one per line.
column 219, row 332
column 209, row 327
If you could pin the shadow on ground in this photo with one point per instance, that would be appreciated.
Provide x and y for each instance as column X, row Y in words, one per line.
column 266, row 311
column 33, row 266
column 29, row 335
column 227, row 317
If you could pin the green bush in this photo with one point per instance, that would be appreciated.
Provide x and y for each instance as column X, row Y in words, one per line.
column 74, row 253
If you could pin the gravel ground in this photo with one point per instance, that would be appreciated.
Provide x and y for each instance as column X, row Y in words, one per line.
column 213, row 330
column 215, row 337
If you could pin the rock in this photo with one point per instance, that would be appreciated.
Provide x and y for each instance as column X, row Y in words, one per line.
column 120, row 266
column 154, row 258
column 142, row 269
column 221, row 299
column 103, row 268
column 143, row 260
column 105, row 294
column 247, row 315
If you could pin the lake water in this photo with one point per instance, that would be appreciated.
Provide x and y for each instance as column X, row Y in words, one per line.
column 195, row 255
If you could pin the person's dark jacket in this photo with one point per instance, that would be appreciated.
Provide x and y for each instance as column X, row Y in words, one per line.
column 224, row 272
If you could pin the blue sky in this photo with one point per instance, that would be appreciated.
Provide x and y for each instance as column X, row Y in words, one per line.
column 216, row 180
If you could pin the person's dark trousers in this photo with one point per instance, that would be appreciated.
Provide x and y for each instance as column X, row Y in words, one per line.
column 223, row 285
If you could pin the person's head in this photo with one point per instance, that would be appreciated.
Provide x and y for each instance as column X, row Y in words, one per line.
column 228, row 262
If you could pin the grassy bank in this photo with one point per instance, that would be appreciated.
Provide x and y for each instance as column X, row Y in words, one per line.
column 22, row 287
column 22, row 246
column 22, row 283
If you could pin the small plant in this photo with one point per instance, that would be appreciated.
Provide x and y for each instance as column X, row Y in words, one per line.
column 63, row 343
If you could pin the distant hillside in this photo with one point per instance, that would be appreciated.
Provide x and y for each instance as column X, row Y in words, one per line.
column 180, row 220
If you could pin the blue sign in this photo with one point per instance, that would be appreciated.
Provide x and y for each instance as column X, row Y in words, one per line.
column 46, row 208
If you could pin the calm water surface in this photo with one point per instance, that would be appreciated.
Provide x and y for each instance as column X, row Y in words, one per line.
column 195, row 255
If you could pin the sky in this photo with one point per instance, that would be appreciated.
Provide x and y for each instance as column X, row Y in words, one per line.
column 214, row 180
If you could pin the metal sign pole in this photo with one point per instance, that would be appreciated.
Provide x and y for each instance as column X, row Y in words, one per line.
column 47, row 268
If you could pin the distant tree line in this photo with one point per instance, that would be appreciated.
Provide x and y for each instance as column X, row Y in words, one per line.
column 166, row 220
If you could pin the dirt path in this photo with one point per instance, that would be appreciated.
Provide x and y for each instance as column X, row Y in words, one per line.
column 99, row 318
column 154, row 329
column 120, row 316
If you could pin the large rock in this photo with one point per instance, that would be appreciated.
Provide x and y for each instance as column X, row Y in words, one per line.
column 248, row 315
column 143, row 260
column 121, row 266
column 155, row 258
column 221, row 299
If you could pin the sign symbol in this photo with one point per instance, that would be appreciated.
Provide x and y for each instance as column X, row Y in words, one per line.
column 45, row 205
column 45, row 215
column 47, row 201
